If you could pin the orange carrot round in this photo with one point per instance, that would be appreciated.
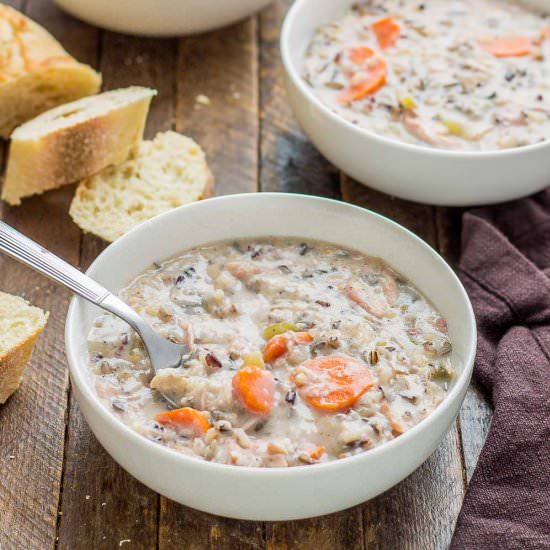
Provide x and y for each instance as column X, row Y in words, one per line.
column 279, row 345
column 255, row 389
column 376, row 73
column 190, row 419
column 387, row 31
column 332, row 383
column 507, row 46
column 317, row 453
column 359, row 54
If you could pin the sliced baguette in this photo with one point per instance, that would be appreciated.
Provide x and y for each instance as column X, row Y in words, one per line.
column 162, row 174
column 74, row 141
column 20, row 326
column 36, row 73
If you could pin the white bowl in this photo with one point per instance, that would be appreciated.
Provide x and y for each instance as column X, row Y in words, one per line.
column 417, row 173
column 161, row 17
column 279, row 493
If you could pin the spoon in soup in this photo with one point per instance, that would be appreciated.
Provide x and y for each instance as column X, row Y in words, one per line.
column 162, row 353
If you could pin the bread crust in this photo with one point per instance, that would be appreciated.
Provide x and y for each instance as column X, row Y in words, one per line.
column 15, row 353
column 36, row 73
column 68, row 154
column 12, row 365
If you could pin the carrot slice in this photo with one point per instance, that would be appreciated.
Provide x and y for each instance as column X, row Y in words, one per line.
column 387, row 31
column 332, row 383
column 376, row 73
column 359, row 54
column 191, row 419
column 255, row 388
column 279, row 345
column 317, row 453
column 507, row 46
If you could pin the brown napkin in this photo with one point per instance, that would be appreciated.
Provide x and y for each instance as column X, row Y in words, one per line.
column 505, row 267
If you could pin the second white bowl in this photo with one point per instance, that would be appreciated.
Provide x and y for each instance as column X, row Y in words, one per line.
column 417, row 173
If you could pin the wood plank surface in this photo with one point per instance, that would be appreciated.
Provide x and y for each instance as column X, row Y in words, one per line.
column 222, row 66
column 101, row 510
column 475, row 421
column 217, row 102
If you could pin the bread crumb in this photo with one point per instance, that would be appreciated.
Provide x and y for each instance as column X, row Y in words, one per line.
column 87, row 497
column 123, row 542
column 12, row 457
column 203, row 99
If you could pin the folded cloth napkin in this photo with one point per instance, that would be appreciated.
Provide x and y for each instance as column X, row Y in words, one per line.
column 505, row 267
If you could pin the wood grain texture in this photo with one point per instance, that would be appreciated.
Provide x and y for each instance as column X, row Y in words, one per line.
column 288, row 160
column 421, row 511
column 102, row 504
column 340, row 531
column 182, row 527
column 221, row 66
column 32, row 423
column 475, row 421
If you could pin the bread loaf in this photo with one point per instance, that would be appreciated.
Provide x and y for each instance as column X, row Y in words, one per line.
column 20, row 326
column 36, row 73
column 73, row 141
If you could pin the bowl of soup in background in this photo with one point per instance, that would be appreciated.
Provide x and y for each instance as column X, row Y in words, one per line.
column 407, row 170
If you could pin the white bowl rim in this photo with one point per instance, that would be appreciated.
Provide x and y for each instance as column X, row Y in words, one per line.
column 78, row 377
column 290, row 18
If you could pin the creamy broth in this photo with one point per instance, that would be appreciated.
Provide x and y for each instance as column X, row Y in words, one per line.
column 454, row 74
column 302, row 352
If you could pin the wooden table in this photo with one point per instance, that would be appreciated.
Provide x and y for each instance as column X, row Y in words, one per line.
column 58, row 488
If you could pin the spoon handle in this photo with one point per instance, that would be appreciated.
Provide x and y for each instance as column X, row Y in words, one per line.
column 25, row 250
column 28, row 252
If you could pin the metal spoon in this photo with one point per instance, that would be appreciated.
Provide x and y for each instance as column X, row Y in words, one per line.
column 163, row 354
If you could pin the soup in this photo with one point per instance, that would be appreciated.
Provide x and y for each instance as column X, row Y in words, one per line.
column 301, row 352
column 452, row 74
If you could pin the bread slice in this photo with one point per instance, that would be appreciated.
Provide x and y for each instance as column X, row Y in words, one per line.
column 36, row 73
column 20, row 326
column 74, row 141
column 162, row 174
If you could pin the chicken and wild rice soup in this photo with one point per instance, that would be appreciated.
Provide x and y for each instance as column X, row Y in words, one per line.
column 302, row 352
column 455, row 74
